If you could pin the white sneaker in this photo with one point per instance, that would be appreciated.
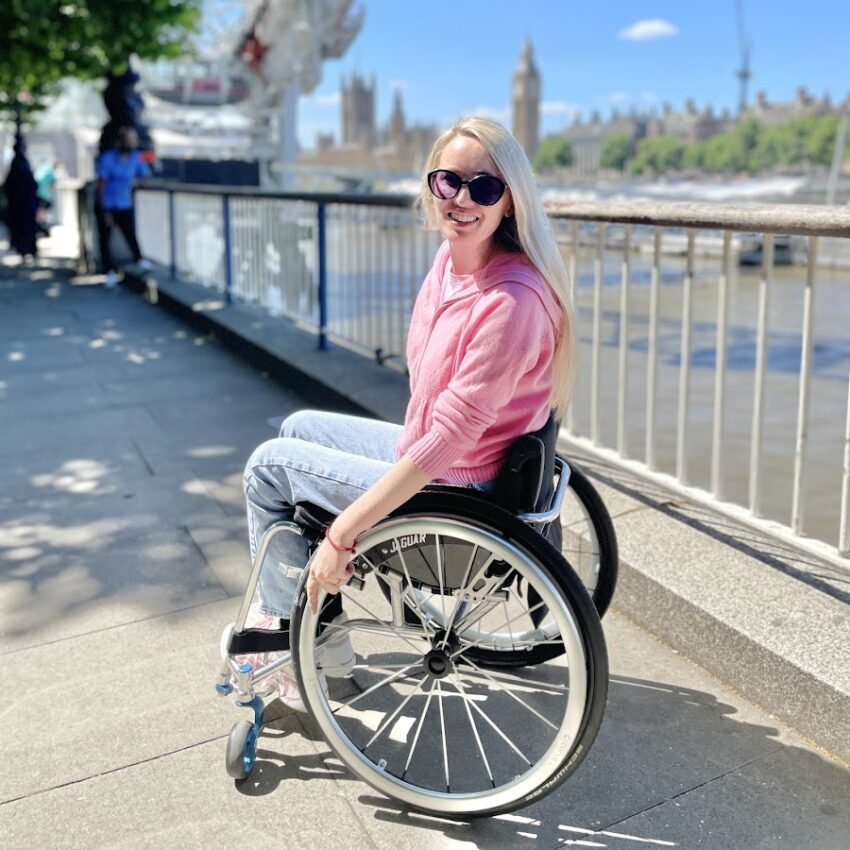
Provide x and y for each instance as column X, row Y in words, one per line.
column 145, row 264
column 336, row 655
column 111, row 280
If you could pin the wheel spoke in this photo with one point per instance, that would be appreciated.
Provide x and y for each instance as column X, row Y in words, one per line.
column 463, row 584
column 412, row 596
column 499, row 732
column 377, row 619
column 511, row 694
column 419, row 728
column 443, row 732
column 383, row 683
column 509, row 678
column 484, row 637
column 440, row 576
column 419, row 613
column 457, row 683
column 393, row 716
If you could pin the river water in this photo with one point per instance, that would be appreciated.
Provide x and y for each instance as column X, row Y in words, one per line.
column 828, row 386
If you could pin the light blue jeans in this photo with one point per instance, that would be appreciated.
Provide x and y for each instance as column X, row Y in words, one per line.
column 325, row 458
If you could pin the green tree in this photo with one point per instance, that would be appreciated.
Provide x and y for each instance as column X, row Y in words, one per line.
column 616, row 151
column 658, row 154
column 44, row 41
column 820, row 142
column 718, row 153
column 553, row 152
column 694, row 156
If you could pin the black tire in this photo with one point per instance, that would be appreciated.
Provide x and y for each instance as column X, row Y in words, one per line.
column 430, row 507
column 606, row 537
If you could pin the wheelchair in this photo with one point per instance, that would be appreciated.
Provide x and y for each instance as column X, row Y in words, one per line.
column 480, row 673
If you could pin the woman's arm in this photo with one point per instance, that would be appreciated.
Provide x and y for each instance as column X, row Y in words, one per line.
column 329, row 568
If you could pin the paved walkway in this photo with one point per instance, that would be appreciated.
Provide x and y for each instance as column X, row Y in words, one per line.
column 122, row 552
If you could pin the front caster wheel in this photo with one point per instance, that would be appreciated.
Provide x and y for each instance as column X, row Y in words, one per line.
column 241, row 749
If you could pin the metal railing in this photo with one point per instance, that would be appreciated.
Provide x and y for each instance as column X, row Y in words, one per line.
column 759, row 224
column 681, row 378
column 345, row 266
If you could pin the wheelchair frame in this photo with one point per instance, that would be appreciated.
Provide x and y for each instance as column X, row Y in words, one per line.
column 582, row 640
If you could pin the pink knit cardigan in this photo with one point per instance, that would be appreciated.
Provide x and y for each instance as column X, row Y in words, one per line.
column 481, row 368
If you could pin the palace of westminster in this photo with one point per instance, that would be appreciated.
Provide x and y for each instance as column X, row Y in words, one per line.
column 401, row 147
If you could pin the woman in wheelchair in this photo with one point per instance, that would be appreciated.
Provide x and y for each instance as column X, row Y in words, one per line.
column 415, row 510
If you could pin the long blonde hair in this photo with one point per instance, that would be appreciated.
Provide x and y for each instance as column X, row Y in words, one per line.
column 528, row 231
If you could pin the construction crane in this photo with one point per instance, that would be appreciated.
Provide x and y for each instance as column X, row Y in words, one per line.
column 745, row 46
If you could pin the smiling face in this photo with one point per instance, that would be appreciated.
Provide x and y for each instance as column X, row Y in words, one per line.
column 469, row 227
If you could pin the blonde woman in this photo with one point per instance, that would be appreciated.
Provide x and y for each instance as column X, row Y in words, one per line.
column 490, row 355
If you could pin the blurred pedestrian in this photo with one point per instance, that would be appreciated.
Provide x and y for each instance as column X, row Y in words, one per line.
column 117, row 169
column 21, row 202
column 45, row 178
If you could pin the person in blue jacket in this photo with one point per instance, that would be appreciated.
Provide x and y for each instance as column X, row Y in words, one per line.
column 117, row 169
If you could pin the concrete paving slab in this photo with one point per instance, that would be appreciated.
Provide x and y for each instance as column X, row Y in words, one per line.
column 77, row 430
column 103, row 469
column 224, row 545
column 670, row 730
column 112, row 697
column 38, row 355
column 22, row 408
column 136, row 503
column 184, row 799
column 58, row 584
column 802, row 803
column 234, row 382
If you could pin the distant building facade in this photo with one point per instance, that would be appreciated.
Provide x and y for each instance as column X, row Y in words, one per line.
column 689, row 123
column 396, row 147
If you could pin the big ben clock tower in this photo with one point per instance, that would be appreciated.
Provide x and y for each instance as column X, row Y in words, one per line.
column 526, row 101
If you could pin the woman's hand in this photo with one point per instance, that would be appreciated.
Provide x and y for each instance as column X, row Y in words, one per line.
column 329, row 571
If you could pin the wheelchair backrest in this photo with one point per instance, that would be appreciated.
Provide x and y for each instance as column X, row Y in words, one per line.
column 527, row 481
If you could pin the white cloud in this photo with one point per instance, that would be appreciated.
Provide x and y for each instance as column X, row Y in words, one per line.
column 618, row 97
column 331, row 99
column 559, row 107
column 649, row 29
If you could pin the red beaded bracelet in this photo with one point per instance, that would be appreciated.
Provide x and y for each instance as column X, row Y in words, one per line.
column 336, row 545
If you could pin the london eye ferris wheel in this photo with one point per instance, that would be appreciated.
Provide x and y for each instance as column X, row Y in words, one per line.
column 256, row 56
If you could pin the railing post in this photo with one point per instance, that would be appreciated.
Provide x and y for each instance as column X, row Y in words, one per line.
column 172, row 234
column 798, row 497
column 228, row 249
column 844, row 522
column 761, row 363
column 720, row 369
column 623, row 391
column 685, row 363
column 321, row 232
column 598, row 281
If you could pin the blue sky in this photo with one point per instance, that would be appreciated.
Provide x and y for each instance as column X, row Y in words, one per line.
column 454, row 57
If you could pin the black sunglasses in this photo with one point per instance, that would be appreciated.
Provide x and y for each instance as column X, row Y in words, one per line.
column 484, row 189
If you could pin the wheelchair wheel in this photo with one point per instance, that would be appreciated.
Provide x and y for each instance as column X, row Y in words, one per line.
column 589, row 542
column 420, row 719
